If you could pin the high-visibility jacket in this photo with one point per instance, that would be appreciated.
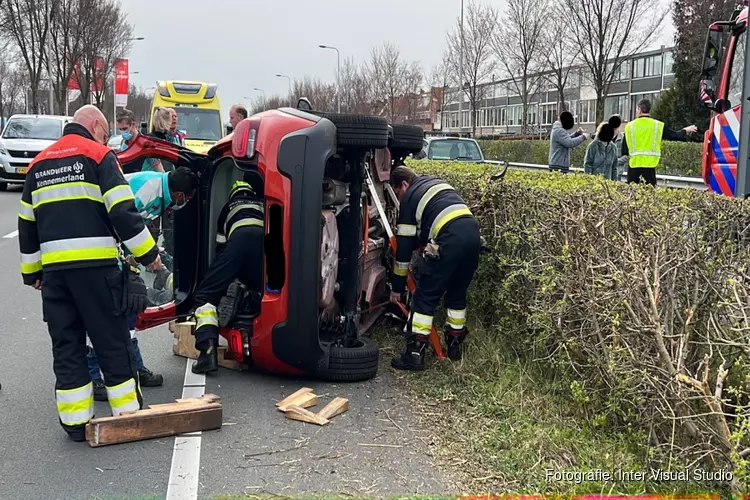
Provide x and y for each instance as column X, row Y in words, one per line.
column 426, row 208
column 75, row 206
column 244, row 208
column 643, row 137
column 151, row 190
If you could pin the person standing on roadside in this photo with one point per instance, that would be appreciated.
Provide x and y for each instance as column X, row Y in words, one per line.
column 75, row 207
column 643, row 138
column 177, row 136
column 601, row 153
column 622, row 161
column 561, row 142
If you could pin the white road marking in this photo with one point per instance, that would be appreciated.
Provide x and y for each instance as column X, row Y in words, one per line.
column 186, row 456
column 11, row 235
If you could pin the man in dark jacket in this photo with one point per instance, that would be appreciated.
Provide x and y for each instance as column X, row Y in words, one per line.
column 432, row 215
column 239, row 257
column 75, row 207
column 561, row 142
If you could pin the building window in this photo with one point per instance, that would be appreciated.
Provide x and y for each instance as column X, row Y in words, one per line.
column 531, row 114
column 549, row 113
column 587, row 111
column 668, row 62
column 647, row 66
column 617, row 105
column 622, row 73
column 514, row 114
column 635, row 98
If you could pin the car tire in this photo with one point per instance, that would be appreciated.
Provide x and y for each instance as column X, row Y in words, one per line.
column 352, row 361
column 3, row 186
column 358, row 131
column 407, row 138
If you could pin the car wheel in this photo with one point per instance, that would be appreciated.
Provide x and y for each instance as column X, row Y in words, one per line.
column 352, row 360
column 407, row 137
column 358, row 131
column 3, row 186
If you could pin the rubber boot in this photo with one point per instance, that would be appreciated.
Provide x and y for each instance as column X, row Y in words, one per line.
column 413, row 356
column 230, row 303
column 208, row 360
column 454, row 339
column 149, row 378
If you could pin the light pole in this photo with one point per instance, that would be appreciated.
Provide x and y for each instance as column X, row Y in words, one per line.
column 290, row 87
column 338, row 74
column 264, row 96
column 461, row 73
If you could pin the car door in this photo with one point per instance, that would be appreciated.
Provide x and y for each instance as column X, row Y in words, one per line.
column 187, row 248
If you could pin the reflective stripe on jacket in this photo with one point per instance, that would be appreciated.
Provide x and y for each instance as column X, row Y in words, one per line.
column 426, row 208
column 75, row 206
column 643, row 137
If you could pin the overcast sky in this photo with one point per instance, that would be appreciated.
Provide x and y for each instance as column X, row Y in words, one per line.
column 242, row 44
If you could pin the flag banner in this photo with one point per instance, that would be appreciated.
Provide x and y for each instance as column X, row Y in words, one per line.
column 121, row 82
column 73, row 82
column 97, row 85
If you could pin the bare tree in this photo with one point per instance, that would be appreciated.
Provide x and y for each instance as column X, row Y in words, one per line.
column 519, row 45
column 272, row 102
column 560, row 55
column 109, row 38
column 478, row 64
column 442, row 77
column 392, row 79
column 70, row 21
column 321, row 95
column 608, row 33
column 356, row 88
column 26, row 24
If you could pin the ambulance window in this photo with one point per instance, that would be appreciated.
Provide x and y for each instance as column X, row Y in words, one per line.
column 734, row 92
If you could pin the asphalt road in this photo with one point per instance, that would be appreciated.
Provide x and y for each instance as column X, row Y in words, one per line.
column 256, row 452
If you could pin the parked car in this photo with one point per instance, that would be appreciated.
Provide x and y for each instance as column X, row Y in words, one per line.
column 451, row 148
column 23, row 137
column 326, row 252
column 115, row 142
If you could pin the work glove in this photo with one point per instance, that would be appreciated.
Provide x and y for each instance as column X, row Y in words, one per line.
column 135, row 295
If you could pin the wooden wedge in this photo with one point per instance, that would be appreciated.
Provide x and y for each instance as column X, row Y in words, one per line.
column 180, row 417
column 288, row 400
column 305, row 400
column 298, row 413
column 335, row 407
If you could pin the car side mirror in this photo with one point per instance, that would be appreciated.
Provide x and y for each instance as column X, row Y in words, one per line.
column 304, row 104
column 229, row 129
column 144, row 127
column 722, row 105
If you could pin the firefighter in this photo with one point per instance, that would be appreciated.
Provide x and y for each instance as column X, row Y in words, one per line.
column 432, row 215
column 643, row 137
column 75, row 206
column 239, row 257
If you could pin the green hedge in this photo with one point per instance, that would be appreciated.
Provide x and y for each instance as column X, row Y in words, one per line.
column 637, row 296
column 678, row 158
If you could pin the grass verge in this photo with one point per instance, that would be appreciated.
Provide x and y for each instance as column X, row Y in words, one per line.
column 500, row 424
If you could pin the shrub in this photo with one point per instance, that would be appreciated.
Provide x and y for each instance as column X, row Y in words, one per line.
column 638, row 296
column 678, row 158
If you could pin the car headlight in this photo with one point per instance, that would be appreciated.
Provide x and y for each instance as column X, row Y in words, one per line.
column 3, row 151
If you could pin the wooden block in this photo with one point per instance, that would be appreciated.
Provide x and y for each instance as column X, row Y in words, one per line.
column 185, row 343
column 335, row 407
column 288, row 400
column 305, row 400
column 228, row 363
column 162, row 420
column 297, row 413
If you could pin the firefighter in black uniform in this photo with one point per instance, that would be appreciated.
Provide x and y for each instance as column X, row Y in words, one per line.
column 432, row 215
column 239, row 257
column 75, row 207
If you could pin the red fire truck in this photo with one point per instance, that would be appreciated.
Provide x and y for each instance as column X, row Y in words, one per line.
column 721, row 92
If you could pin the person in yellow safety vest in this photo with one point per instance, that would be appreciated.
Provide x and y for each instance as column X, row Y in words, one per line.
column 643, row 137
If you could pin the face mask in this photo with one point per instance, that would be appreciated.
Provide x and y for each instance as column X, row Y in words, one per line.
column 126, row 135
column 178, row 207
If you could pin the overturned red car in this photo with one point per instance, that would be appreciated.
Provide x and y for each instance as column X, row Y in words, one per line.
column 326, row 253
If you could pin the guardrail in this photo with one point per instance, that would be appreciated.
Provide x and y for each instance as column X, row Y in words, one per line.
column 675, row 181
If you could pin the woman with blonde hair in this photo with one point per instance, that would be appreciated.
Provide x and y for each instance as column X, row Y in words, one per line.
column 160, row 124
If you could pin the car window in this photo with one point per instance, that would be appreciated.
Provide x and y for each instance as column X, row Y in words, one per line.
column 33, row 128
column 199, row 124
column 453, row 149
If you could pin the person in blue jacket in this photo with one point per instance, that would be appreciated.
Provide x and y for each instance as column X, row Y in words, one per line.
column 155, row 193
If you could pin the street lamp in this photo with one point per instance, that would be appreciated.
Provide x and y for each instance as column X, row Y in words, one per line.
column 461, row 73
column 338, row 74
column 264, row 96
column 290, row 87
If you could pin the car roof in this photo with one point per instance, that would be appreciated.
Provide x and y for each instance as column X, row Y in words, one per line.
column 54, row 117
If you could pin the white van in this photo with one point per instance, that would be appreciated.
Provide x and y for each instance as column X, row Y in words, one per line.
column 23, row 137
